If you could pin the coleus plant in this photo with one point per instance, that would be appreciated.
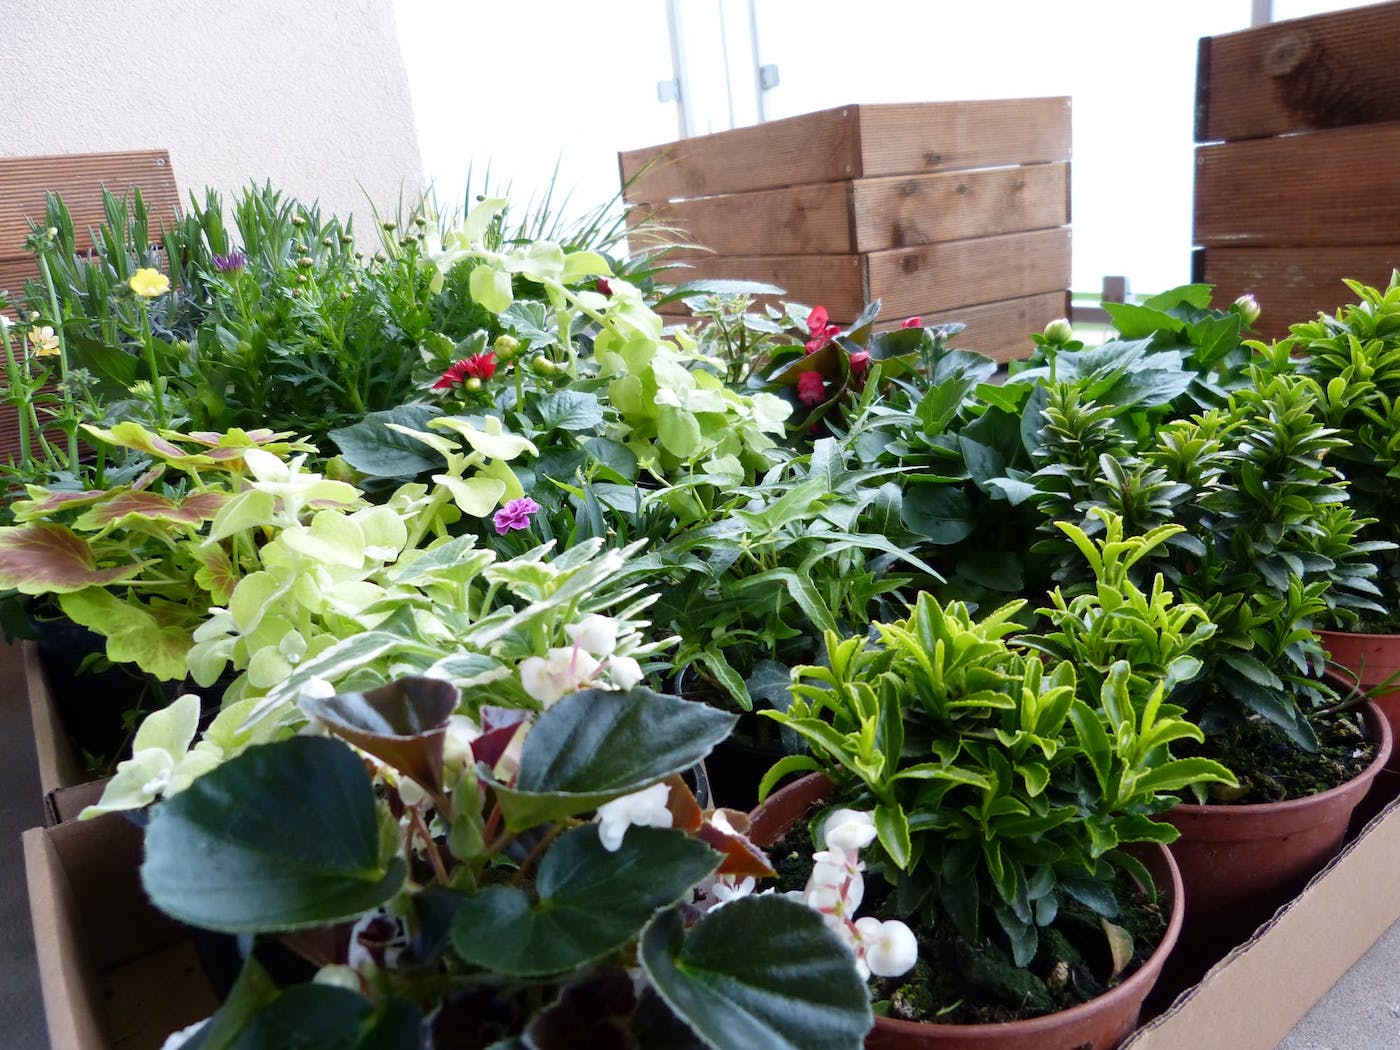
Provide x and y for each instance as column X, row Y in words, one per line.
column 1001, row 784
column 482, row 907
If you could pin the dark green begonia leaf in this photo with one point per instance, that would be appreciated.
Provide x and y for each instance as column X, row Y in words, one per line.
column 764, row 973
column 282, row 836
column 587, row 901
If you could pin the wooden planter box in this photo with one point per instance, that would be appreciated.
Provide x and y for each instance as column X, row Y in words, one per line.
column 65, row 785
column 1296, row 186
column 115, row 972
column 949, row 211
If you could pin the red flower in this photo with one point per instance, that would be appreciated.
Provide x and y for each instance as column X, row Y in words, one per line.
column 603, row 286
column 819, row 328
column 478, row 366
column 860, row 361
column 913, row 322
column 811, row 390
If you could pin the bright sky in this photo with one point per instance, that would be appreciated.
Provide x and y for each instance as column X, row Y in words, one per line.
column 522, row 86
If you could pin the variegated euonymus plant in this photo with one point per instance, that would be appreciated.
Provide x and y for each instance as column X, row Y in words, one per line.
column 1004, row 782
column 484, row 907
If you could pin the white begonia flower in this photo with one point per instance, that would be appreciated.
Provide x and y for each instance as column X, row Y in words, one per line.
column 726, row 889
column 889, row 948
column 176, row 1040
column 594, row 634
column 411, row 793
column 849, row 829
column 645, row 808
column 548, row 679
column 338, row 975
column 457, row 744
column 624, row 672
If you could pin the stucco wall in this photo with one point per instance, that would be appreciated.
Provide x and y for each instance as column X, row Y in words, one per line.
column 311, row 94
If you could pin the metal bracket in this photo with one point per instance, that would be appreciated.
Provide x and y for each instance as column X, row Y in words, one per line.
column 767, row 77
column 668, row 90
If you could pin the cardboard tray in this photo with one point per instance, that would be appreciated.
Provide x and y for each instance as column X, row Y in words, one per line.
column 1256, row 994
column 115, row 972
column 65, row 785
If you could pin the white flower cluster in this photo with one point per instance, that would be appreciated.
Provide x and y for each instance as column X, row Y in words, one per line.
column 592, row 660
column 835, row 889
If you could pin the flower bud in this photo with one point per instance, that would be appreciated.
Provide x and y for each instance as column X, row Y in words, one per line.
column 301, row 278
column 1248, row 308
column 542, row 366
column 389, row 227
column 344, row 296
column 329, row 242
column 298, row 221
column 506, row 347
column 306, row 262
column 345, row 238
column 471, row 383
column 1059, row 330
column 380, row 257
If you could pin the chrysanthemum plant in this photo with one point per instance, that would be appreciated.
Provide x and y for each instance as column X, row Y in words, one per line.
column 481, row 904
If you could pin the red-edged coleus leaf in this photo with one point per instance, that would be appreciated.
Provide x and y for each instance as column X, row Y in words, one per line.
column 217, row 575
column 230, row 446
column 133, row 435
column 403, row 724
column 152, row 506
column 729, row 835
column 43, row 558
column 45, row 502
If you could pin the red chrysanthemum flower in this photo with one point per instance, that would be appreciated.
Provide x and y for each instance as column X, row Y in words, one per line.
column 478, row 366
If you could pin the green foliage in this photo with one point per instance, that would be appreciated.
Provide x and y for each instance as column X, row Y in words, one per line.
column 1000, row 782
column 508, row 931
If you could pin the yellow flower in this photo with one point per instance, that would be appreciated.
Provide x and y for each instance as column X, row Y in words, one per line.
column 44, row 341
column 149, row 283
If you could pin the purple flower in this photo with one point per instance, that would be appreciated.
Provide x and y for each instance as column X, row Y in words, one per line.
column 230, row 263
column 515, row 515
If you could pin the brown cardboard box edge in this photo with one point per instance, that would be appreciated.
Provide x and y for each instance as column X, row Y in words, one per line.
column 1256, row 994
column 65, row 791
column 113, row 970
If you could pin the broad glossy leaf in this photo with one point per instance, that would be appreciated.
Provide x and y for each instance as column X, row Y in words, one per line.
column 373, row 448
column 284, row 835
column 762, row 973
column 586, row 903
column 941, row 514
column 596, row 745
column 569, row 410
column 325, row 1017
column 402, row 723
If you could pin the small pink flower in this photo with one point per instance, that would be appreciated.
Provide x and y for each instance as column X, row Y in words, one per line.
column 515, row 515
column 913, row 322
column 811, row 390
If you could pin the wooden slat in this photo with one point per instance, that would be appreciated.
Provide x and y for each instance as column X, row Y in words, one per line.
column 1317, row 72
column 834, row 281
column 1003, row 330
column 1293, row 284
column 901, row 211
column 78, row 179
column 865, row 215
column 965, row 273
column 1323, row 187
column 851, row 142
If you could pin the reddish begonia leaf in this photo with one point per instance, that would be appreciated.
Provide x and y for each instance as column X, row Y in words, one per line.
column 41, row 558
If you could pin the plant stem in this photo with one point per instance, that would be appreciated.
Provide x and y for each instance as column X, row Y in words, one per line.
column 66, row 392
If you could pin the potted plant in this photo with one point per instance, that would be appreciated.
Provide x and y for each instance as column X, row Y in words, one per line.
column 1270, row 548
column 473, row 901
column 1009, row 800
column 1354, row 356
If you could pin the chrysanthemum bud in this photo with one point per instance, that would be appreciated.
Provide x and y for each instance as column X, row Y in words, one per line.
column 471, row 383
column 1248, row 308
column 1059, row 330
column 542, row 366
column 506, row 347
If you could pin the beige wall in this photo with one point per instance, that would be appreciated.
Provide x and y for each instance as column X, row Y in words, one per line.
column 311, row 94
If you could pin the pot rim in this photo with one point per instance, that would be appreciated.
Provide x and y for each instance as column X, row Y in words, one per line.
column 1385, row 742
column 1333, row 632
column 1136, row 986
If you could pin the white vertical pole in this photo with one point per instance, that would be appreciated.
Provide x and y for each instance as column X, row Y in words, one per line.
column 1261, row 12
column 678, row 68
column 757, row 61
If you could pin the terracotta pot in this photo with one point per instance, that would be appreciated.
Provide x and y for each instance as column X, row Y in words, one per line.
column 1100, row 1024
column 1241, row 863
column 1370, row 659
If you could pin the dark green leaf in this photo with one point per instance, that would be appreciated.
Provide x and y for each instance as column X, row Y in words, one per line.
column 762, row 973
column 282, row 836
column 587, row 901
column 597, row 744
column 371, row 447
column 941, row 514
column 569, row 410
